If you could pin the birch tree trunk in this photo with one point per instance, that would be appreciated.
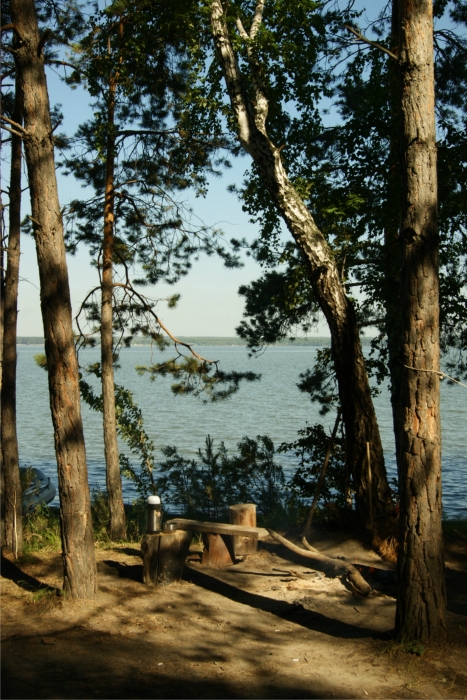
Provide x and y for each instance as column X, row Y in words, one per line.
column 12, row 516
column 354, row 390
column 112, row 465
column 421, row 604
column 80, row 574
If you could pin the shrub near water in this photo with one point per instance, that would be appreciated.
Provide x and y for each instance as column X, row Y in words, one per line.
column 41, row 530
column 204, row 488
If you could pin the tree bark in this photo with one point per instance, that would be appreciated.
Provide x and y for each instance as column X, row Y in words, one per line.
column 354, row 390
column 113, row 476
column 80, row 575
column 421, row 604
column 12, row 516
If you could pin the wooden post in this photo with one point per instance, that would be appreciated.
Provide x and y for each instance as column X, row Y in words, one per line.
column 243, row 514
column 164, row 556
column 218, row 550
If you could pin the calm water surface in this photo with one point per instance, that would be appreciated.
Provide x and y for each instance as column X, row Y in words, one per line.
column 273, row 406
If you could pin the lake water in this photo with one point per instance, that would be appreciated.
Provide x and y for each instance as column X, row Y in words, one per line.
column 273, row 406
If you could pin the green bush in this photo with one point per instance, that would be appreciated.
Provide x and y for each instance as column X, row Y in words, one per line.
column 205, row 488
column 310, row 449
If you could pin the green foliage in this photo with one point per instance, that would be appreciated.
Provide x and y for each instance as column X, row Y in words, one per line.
column 130, row 427
column 203, row 488
column 135, row 63
column 278, row 303
column 265, row 480
column 320, row 383
column 199, row 378
column 310, row 449
column 206, row 487
column 41, row 529
column 41, row 360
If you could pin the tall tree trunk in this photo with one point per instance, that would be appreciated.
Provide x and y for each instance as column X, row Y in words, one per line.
column 392, row 267
column 2, row 314
column 113, row 476
column 12, row 526
column 80, row 575
column 421, row 604
column 354, row 390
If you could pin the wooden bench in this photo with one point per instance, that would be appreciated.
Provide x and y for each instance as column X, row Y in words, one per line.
column 224, row 542
column 165, row 552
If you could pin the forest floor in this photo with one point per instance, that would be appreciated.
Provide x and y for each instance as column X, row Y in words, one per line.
column 253, row 630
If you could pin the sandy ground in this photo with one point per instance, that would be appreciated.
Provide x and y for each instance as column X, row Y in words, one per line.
column 253, row 630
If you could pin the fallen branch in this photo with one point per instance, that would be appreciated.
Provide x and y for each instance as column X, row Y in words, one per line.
column 308, row 546
column 331, row 567
column 289, row 572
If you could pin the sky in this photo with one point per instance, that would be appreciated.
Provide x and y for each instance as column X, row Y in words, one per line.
column 209, row 304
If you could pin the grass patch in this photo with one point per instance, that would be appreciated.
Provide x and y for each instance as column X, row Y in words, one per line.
column 41, row 531
column 397, row 648
column 45, row 600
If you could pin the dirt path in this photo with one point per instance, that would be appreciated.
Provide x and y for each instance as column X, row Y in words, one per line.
column 248, row 631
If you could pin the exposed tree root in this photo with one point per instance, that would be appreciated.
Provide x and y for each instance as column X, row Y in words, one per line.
column 331, row 567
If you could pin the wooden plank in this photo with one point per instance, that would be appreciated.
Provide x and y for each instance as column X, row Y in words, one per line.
column 220, row 528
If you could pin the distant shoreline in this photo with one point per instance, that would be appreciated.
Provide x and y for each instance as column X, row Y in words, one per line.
column 204, row 341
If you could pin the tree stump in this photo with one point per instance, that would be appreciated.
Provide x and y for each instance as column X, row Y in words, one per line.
column 218, row 550
column 243, row 514
column 164, row 556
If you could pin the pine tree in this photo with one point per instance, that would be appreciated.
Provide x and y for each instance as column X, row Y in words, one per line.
column 80, row 575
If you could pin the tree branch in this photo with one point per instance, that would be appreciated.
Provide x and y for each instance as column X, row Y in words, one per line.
column 257, row 19
column 372, row 322
column 12, row 131
column 228, row 62
column 54, row 62
column 159, row 322
column 362, row 38
column 42, row 41
column 12, row 123
column 261, row 104
column 144, row 132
